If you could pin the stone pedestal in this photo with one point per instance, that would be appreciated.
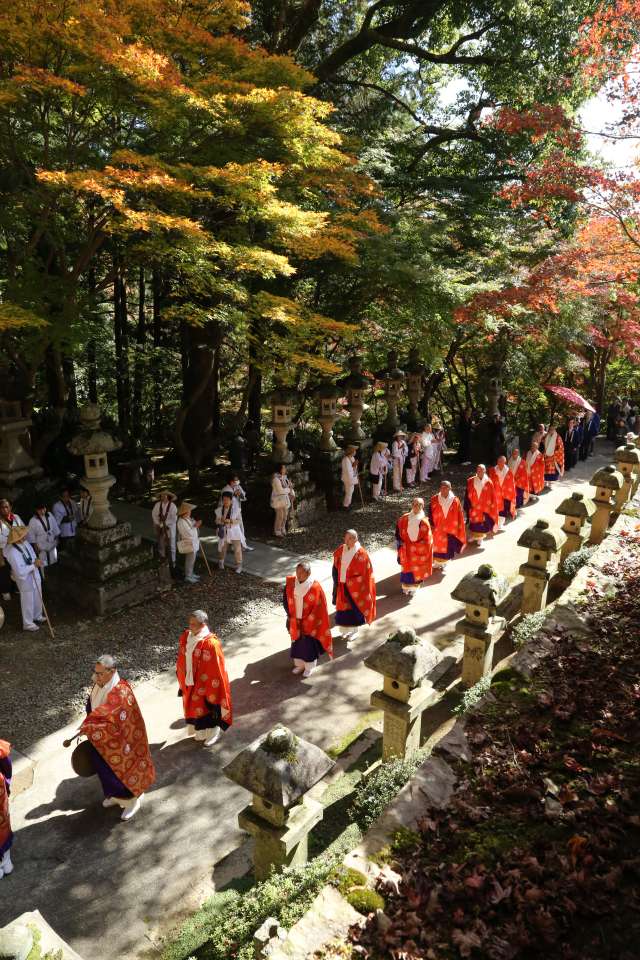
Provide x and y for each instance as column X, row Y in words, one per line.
column 577, row 513
column 627, row 460
column 278, row 769
column 355, row 387
column 18, row 939
column 327, row 395
column 544, row 546
column 15, row 462
column 405, row 662
column 607, row 483
column 481, row 593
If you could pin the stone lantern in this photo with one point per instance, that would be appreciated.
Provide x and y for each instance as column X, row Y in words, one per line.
column 282, row 402
column 415, row 373
column 631, row 440
column 279, row 769
column 15, row 462
column 627, row 461
column 93, row 444
column 544, row 545
column 607, row 482
column 577, row 513
column 327, row 394
column 481, row 593
column 405, row 662
column 393, row 379
column 355, row 387
column 494, row 393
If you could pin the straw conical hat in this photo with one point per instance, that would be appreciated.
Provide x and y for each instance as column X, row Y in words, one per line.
column 17, row 534
column 172, row 496
column 185, row 507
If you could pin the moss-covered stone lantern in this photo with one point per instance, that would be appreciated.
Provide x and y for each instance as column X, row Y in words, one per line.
column 282, row 407
column 355, row 387
column 393, row 379
column 607, row 482
column 481, row 592
column 327, row 394
column 544, row 544
column 279, row 769
column 577, row 512
column 405, row 662
column 627, row 460
column 92, row 443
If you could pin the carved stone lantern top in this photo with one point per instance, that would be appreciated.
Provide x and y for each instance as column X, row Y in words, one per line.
column 414, row 363
column 485, row 588
column 404, row 657
column 279, row 767
column 577, row 506
column 608, row 478
column 327, row 390
column 282, row 396
column 91, row 437
column 393, row 372
column 541, row 536
column 356, row 379
column 627, row 454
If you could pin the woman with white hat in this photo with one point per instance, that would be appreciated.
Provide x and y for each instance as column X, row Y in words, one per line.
column 165, row 518
column 188, row 539
column 399, row 451
column 24, row 564
column 378, row 467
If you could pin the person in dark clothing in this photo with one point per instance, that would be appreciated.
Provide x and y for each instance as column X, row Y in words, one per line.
column 465, row 427
column 571, row 441
column 252, row 449
column 590, row 431
column 497, row 439
column 613, row 415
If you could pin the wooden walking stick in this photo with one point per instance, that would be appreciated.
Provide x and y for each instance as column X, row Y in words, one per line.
column 44, row 609
column 361, row 494
column 206, row 562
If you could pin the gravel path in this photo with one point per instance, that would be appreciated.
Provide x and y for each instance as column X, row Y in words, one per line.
column 45, row 682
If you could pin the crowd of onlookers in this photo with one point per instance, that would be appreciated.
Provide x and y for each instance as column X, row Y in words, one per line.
column 623, row 416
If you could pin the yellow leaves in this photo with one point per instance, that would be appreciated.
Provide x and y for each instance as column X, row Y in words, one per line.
column 139, row 62
column 29, row 78
column 13, row 317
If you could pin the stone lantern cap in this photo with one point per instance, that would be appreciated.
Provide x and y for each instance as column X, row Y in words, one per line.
column 282, row 396
column 279, row 767
column 608, row 477
column 627, row 454
column 482, row 589
column 327, row 390
column 414, row 363
column 356, row 379
column 92, row 438
column 542, row 537
column 577, row 506
column 404, row 657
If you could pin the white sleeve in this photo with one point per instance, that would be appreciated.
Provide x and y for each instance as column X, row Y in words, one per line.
column 53, row 523
column 32, row 532
column 155, row 512
column 58, row 511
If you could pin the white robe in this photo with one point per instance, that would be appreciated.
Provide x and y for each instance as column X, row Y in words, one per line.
column 21, row 558
column 5, row 529
column 66, row 515
column 187, row 530
column 231, row 531
column 43, row 536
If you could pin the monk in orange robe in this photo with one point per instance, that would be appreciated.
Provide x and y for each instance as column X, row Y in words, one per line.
column 203, row 681
column 553, row 455
column 307, row 620
column 505, row 488
column 481, row 505
column 518, row 467
column 120, row 750
column 535, row 469
column 415, row 548
column 354, row 586
column 6, row 835
column 447, row 525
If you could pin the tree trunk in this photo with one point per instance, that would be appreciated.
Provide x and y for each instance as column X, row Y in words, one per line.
column 138, row 370
column 157, row 328
column 121, row 338
column 195, row 436
column 69, row 373
column 92, row 365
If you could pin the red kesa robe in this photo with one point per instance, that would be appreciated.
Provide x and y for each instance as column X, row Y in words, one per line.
column 479, row 507
column 505, row 489
column 443, row 527
column 315, row 616
column 553, row 457
column 210, row 680
column 360, row 584
column 535, row 469
column 414, row 556
column 521, row 480
column 5, row 822
column 117, row 731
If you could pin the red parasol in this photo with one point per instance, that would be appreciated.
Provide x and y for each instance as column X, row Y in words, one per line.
column 566, row 393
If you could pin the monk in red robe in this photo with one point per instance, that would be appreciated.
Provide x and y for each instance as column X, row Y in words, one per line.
column 119, row 747
column 307, row 620
column 203, row 681
column 505, row 488
column 481, row 505
column 518, row 467
column 535, row 469
column 415, row 548
column 553, row 455
column 354, row 586
column 447, row 525
column 6, row 836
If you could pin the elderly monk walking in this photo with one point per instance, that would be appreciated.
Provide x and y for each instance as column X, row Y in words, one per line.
column 481, row 505
column 553, row 455
column 203, row 681
column 415, row 548
column 447, row 525
column 518, row 467
column 505, row 488
column 118, row 737
column 6, row 836
column 307, row 620
column 354, row 586
column 535, row 468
